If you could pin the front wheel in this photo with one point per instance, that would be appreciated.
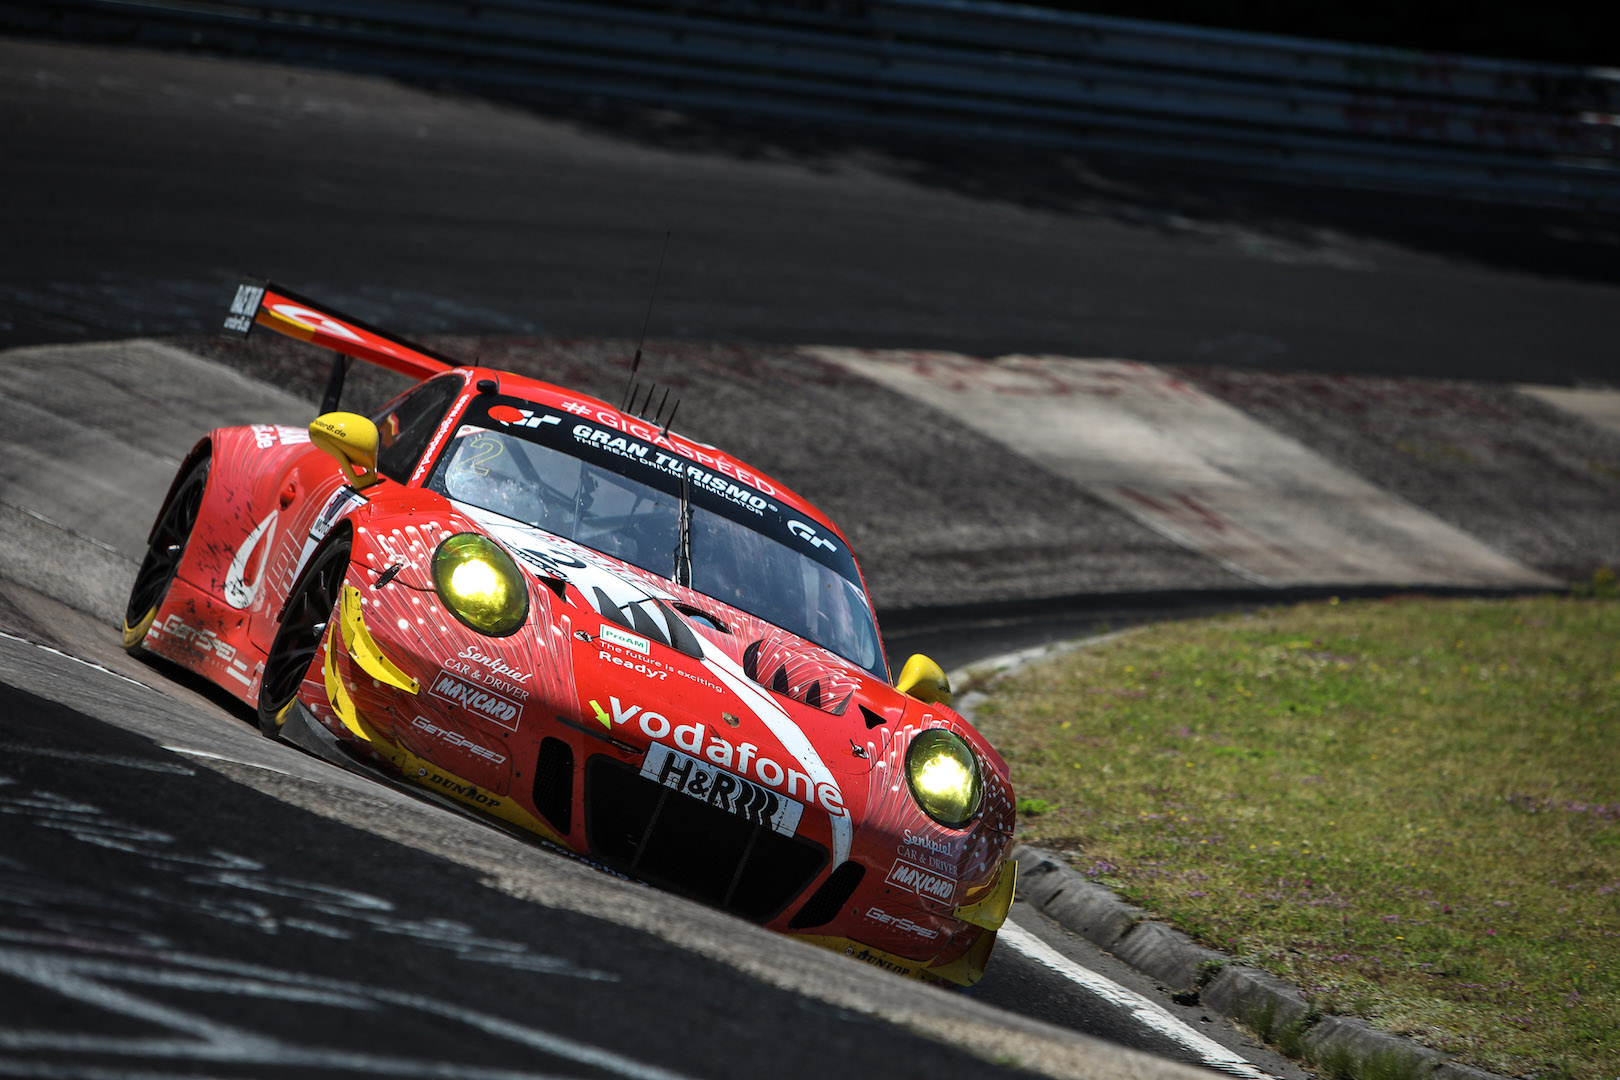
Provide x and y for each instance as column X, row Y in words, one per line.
column 303, row 621
column 164, row 551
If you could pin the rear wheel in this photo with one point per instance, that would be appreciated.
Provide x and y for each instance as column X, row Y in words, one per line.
column 298, row 637
column 163, row 554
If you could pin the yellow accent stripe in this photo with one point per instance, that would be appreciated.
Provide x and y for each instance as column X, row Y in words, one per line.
column 968, row 968
column 338, row 694
column 991, row 911
column 417, row 769
column 357, row 639
column 280, row 323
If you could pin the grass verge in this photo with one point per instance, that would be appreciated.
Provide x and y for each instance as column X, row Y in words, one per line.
column 1409, row 808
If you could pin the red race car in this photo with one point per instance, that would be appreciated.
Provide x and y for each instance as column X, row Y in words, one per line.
column 570, row 618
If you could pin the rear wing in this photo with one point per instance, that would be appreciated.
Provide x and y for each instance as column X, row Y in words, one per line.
column 263, row 303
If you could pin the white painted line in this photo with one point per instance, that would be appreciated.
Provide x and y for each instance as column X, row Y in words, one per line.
column 1149, row 1014
column 1193, row 469
column 75, row 659
column 180, row 1034
column 97, row 759
column 75, row 533
column 229, row 760
column 1601, row 407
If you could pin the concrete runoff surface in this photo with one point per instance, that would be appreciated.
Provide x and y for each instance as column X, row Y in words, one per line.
column 1597, row 406
column 1194, row 469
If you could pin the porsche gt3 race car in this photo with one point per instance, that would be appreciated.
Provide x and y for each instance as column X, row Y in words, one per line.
column 556, row 613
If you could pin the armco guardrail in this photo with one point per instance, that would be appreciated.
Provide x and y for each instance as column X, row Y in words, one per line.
column 1510, row 129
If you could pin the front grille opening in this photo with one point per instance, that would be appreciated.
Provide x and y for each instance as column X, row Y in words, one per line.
column 830, row 899
column 687, row 846
column 554, row 783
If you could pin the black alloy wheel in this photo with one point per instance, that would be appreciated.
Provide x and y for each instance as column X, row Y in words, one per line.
column 303, row 622
column 163, row 554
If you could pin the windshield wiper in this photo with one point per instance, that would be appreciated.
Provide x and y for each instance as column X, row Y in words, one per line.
column 683, row 545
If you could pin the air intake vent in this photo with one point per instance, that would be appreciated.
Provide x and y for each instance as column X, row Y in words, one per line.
column 554, row 784
column 830, row 899
column 688, row 846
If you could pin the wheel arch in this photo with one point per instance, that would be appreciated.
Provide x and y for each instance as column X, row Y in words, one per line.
column 204, row 448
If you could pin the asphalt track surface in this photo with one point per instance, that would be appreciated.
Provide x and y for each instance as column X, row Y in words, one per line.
column 182, row 894
column 137, row 186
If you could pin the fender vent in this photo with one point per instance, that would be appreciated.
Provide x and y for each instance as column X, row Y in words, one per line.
column 800, row 671
column 830, row 899
column 554, row 784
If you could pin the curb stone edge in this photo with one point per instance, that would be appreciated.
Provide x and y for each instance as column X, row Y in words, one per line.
column 1059, row 892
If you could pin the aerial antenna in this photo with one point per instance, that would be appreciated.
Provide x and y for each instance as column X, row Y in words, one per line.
column 635, row 363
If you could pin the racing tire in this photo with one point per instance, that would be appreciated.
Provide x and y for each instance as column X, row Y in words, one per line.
column 304, row 617
column 164, row 551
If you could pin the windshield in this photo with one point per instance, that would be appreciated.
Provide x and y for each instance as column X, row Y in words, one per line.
column 559, row 477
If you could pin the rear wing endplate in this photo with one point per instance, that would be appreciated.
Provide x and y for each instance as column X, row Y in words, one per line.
column 260, row 302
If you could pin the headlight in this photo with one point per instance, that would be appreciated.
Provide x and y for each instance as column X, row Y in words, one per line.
column 480, row 584
column 944, row 777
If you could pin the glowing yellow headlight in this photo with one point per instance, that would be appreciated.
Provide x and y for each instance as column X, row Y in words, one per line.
column 480, row 584
column 944, row 777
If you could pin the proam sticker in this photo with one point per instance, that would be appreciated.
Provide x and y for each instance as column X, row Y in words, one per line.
column 614, row 636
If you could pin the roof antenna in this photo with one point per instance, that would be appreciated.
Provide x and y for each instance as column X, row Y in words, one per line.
column 636, row 363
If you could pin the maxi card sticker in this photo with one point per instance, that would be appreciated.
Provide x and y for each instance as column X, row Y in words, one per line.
column 731, row 793
column 476, row 700
column 923, row 882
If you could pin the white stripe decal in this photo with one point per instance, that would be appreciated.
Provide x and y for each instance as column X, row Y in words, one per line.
column 238, row 593
column 787, row 733
column 1147, row 1013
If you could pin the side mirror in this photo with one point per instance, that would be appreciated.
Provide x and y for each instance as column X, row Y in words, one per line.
column 924, row 680
column 352, row 439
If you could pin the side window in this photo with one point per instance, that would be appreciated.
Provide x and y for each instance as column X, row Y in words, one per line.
column 407, row 423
